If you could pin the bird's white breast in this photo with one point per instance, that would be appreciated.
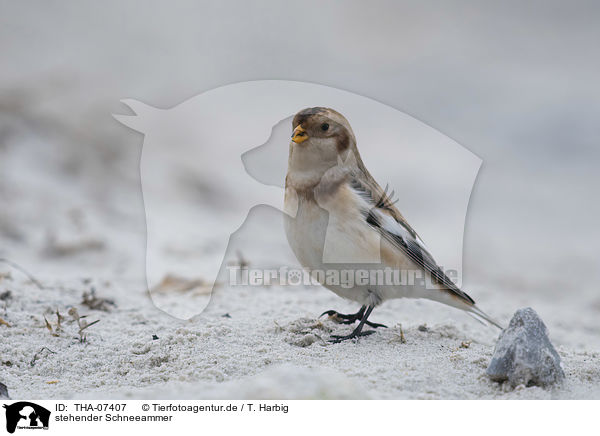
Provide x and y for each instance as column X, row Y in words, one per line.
column 333, row 235
column 305, row 227
column 330, row 240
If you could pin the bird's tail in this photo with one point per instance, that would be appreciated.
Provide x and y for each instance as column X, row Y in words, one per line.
column 483, row 317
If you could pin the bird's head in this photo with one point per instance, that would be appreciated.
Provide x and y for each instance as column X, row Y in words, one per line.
column 321, row 139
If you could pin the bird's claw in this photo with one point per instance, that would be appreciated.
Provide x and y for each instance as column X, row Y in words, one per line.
column 336, row 339
column 375, row 325
column 361, row 315
column 342, row 318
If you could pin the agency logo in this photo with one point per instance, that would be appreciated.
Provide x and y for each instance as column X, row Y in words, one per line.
column 26, row 415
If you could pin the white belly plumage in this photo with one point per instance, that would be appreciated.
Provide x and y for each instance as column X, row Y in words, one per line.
column 332, row 241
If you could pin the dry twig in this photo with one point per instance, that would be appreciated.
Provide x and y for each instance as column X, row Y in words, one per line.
column 82, row 323
column 37, row 355
column 23, row 270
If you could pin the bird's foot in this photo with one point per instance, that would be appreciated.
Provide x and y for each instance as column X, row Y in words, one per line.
column 343, row 318
column 336, row 339
column 362, row 314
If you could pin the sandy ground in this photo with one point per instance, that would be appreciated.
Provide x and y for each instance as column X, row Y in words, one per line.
column 258, row 341
column 264, row 342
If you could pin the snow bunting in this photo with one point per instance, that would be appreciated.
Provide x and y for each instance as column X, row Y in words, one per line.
column 338, row 218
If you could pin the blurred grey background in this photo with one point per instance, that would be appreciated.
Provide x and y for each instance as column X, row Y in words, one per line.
column 514, row 82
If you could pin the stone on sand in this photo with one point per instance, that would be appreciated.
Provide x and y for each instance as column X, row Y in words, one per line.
column 524, row 354
column 4, row 392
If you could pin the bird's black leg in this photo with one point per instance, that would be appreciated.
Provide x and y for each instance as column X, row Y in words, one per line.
column 346, row 318
column 343, row 318
column 357, row 331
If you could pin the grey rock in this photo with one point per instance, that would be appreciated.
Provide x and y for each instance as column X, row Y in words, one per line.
column 4, row 392
column 524, row 354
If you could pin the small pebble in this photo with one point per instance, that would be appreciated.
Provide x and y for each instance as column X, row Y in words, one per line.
column 4, row 392
column 524, row 354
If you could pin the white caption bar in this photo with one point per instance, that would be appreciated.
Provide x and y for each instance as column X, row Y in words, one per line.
column 282, row 417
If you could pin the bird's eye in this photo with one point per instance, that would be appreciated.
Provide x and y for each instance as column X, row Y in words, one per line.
column 324, row 127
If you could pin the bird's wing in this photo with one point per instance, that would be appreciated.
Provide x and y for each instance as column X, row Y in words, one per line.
column 383, row 216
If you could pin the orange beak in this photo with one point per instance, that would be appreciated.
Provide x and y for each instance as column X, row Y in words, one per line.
column 299, row 135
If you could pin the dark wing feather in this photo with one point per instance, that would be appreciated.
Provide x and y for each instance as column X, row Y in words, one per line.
column 388, row 221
